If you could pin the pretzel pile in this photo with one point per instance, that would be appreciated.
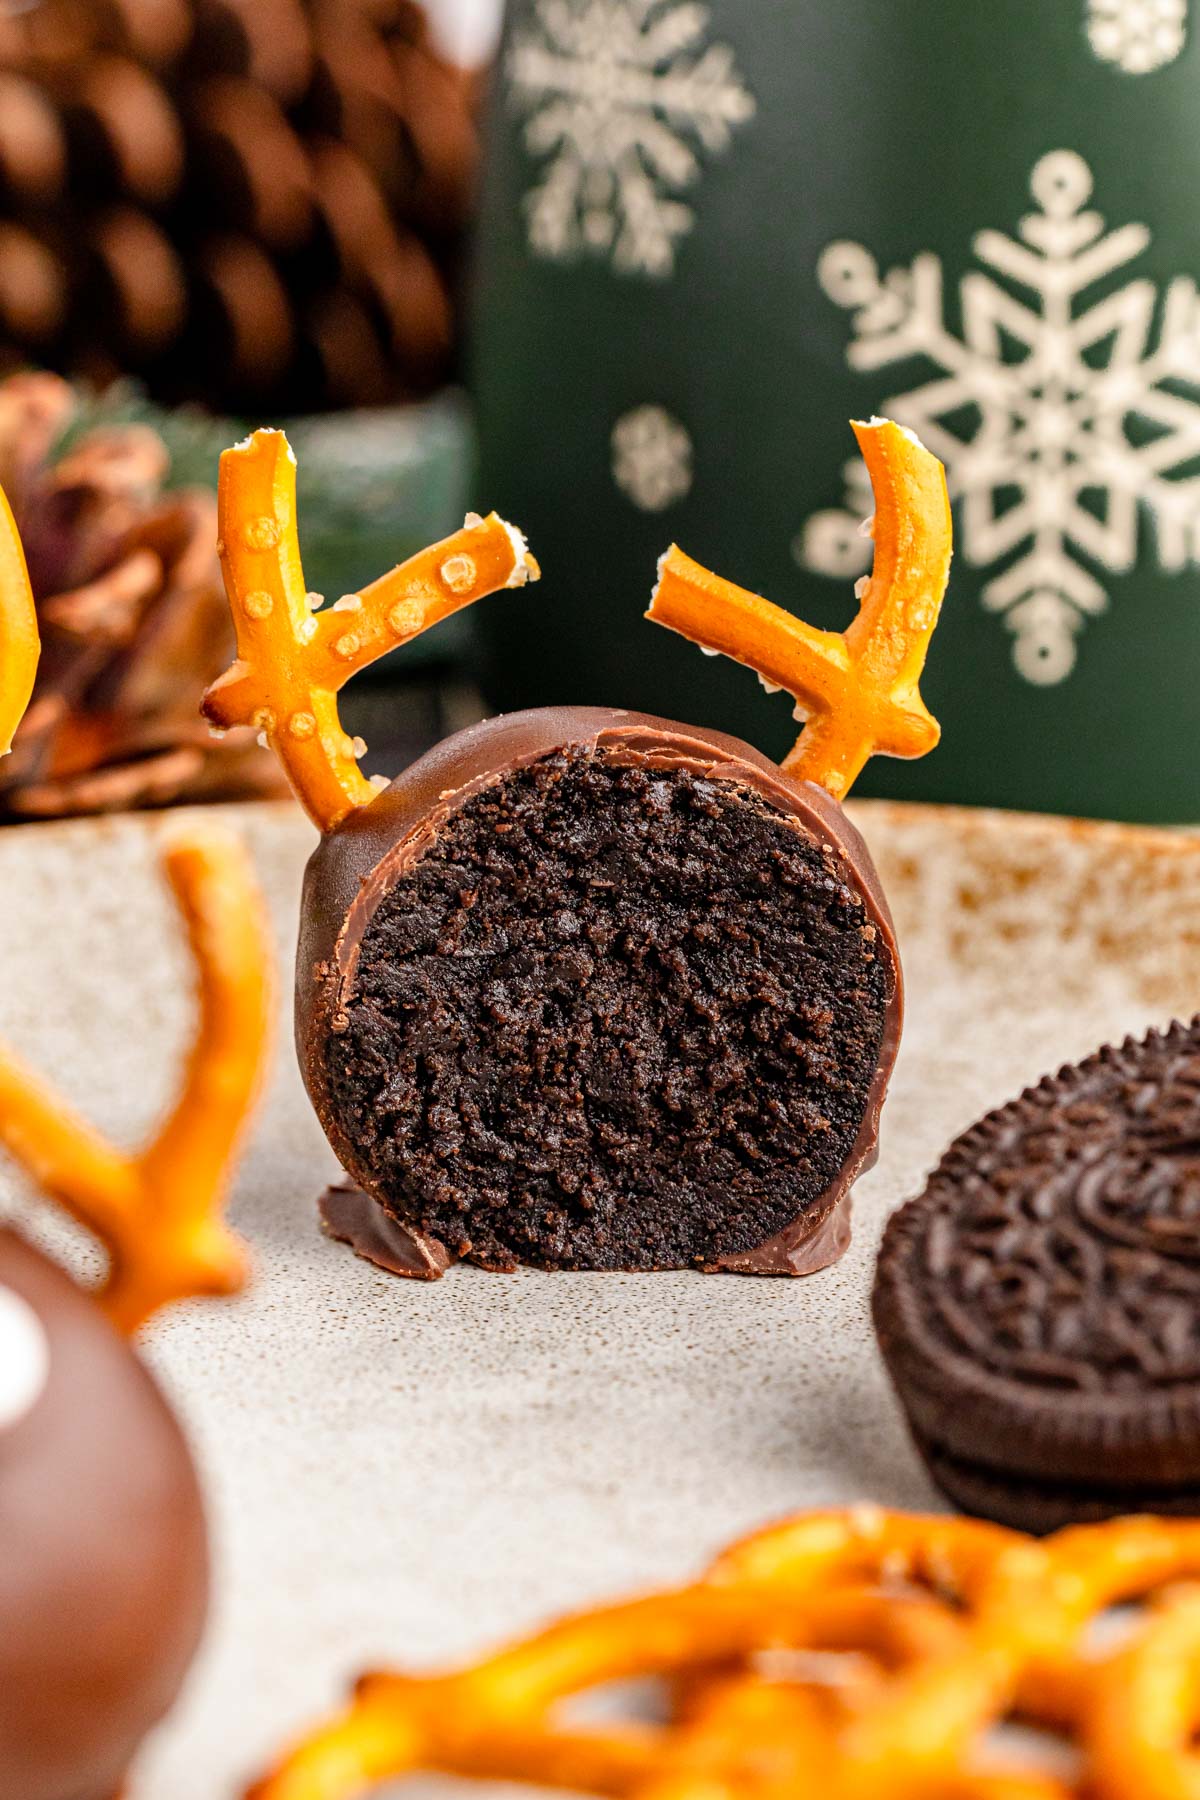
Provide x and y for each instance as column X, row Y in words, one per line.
column 856, row 1655
column 858, row 689
column 294, row 655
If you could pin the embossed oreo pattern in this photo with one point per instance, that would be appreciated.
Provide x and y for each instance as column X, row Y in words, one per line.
column 1062, row 1233
column 1038, row 1305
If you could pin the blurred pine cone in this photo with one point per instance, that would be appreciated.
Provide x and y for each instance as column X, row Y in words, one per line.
column 133, row 620
column 251, row 203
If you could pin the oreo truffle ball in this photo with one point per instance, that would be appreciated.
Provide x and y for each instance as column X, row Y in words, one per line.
column 103, row 1554
column 586, row 989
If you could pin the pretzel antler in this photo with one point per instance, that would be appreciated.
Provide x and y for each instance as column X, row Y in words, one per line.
column 859, row 688
column 291, row 662
column 19, row 643
column 158, row 1213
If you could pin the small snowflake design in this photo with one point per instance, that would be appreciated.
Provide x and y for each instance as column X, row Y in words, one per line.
column 651, row 458
column 1139, row 36
column 621, row 99
column 1065, row 416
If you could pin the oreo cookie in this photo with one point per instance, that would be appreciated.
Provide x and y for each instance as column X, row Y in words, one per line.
column 1038, row 1305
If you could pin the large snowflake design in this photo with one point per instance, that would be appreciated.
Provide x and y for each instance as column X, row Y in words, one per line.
column 622, row 98
column 1060, row 422
column 1139, row 36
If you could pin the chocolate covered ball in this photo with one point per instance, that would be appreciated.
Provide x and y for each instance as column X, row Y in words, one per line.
column 103, row 1551
column 586, row 989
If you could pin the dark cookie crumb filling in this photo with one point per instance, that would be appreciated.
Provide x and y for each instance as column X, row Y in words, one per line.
column 615, row 1018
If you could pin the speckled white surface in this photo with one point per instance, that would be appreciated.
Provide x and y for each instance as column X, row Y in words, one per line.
column 405, row 1472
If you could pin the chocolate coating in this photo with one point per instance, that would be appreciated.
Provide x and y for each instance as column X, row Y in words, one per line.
column 352, row 1217
column 1038, row 1305
column 357, row 866
column 103, row 1552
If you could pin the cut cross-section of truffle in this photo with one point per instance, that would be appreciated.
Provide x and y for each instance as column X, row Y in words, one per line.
column 586, row 989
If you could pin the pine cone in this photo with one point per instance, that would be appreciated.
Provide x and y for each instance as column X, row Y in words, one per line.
column 133, row 622
column 252, row 203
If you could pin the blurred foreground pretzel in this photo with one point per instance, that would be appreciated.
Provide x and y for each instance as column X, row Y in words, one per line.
column 858, row 688
column 158, row 1213
column 292, row 659
column 941, row 1630
column 19, row 642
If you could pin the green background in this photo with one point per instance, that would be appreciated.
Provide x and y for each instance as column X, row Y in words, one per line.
column 906, row 125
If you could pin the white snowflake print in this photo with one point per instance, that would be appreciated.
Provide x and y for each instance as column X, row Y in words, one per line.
column 651, row 458
column 622, row 98
column 1060, row 422
column 1139, row 36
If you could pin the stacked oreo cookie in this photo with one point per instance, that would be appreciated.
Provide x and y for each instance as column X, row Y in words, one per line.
column 1038, row 1305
